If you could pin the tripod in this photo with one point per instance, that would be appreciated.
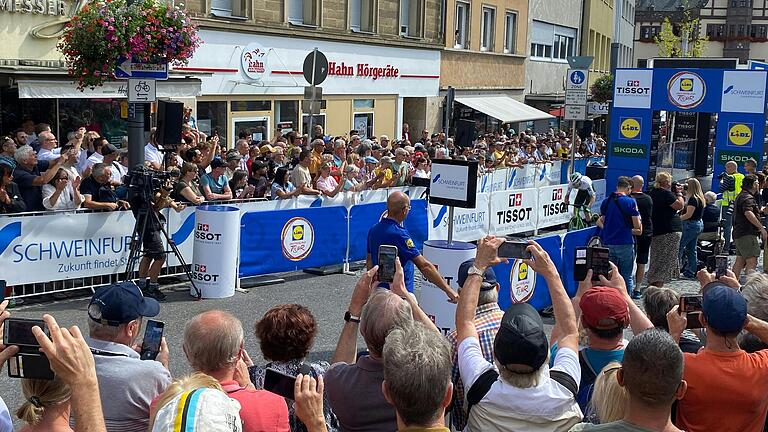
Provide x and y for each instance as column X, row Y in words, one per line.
column 143, row 215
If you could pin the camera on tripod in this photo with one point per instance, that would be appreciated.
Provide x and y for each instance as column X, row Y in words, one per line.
column 144, row 183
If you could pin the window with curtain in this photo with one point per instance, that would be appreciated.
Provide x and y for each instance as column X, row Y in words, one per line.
column 486, row 29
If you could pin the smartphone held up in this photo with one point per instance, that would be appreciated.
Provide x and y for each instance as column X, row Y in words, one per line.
column 387, row 256
column 29, row 362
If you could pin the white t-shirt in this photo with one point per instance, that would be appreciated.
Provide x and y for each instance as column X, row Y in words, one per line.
column 152, row 154
column 93, row 160
column 546, row 407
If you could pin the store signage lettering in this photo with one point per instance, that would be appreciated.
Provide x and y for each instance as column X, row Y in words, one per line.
column 35, row 7
column 362, row 70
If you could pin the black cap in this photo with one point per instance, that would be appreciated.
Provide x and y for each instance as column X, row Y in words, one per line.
column 121, row 303
column 489, row 276
column 521, row 339
column 218, row 163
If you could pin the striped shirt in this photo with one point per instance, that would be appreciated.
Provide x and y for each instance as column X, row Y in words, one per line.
column 487, row 322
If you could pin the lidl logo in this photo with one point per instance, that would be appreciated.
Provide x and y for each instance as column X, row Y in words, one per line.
column 686, row 84
column 630, row 128
column 740, row 134
column 522, row 271
column 298, row 232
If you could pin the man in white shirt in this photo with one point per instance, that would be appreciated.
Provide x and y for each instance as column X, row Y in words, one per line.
column 48, row 144
column 519, row 391
column 152, row 154
column 97, row 156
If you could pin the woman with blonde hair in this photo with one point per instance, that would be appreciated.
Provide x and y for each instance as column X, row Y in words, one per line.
column 609, row 399
column 666, row 230
column 692, row 227
column 46, row 407
column 184, row 384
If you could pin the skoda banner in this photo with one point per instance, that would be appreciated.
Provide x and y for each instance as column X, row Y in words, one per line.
column 513, row 211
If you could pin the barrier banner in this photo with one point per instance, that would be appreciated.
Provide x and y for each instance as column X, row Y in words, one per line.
column 180, row 227
column 555, row 173
column 363, row 216
column 447, row 258
column 214, row 262
column 306, row 238
column 571, row 241
column 499, row 179
column 468, row 224
column 64, row 246
column 520, row 284
column 523, row 177
column 513, row 211
column 552, row 209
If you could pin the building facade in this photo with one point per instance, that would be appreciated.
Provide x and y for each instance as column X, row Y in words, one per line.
column 736, row 29
column 553, row 37
column 622, row 53
column 598, row 23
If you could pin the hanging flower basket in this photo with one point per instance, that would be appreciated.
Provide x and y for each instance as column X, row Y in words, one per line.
column 102, row 32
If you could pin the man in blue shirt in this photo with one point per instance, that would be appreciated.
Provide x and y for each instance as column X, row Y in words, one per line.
column 215, row 184
column 390, row 231
column 620, row 221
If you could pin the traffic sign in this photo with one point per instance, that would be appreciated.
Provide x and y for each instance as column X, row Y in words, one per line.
column 310, row 107
column 126, row 68
column 315, row 67
column 142, row 90
column 576, row 97
column 580, row 62
column 576, row 79
column 313, row 93
column 757, row 65
column 575, row 112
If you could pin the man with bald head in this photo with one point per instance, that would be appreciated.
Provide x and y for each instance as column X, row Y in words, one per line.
column 390, row 231
column 213, row 344
column 642, row 241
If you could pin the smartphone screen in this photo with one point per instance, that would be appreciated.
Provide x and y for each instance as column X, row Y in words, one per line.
column 514, row 249
column 691, row 306
column 387, row 255
column 279, row 383
column 18, row 331
column 580, row 264
column 721, row 265
column 153, row 336
column 599, row 262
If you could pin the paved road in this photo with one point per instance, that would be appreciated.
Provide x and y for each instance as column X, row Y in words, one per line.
column 326, row 296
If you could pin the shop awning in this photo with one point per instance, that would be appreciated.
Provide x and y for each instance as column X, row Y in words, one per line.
column 503, row 108
column 51, row 89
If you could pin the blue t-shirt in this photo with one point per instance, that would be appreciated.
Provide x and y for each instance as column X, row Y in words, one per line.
column 389, row 232
column 617, row 229
column 216, row 185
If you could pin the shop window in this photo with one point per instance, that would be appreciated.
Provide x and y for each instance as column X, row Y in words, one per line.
column 318, row 119
column 286, row 115
column 363, row 104
column 411, row 18
column 510, row 32
column 362, row 15
column 259, row 105
column 104, row 116
column 487, row 29
column 363, row 124
column 229, row 8
column 303, row 12
column 212, row 119
column 461, row 36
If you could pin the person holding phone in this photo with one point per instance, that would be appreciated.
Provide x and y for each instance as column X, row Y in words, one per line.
column 390, row 231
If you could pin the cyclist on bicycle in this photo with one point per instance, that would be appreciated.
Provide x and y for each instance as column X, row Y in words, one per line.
column 585, row 196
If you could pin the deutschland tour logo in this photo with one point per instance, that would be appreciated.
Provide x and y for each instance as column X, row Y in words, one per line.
column 522, row 282
column 297, row 237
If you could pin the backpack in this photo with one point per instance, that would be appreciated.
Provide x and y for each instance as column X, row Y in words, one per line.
column 483, row 383
column 587, row 384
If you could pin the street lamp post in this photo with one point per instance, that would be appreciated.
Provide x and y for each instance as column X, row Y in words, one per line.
column 135, row 129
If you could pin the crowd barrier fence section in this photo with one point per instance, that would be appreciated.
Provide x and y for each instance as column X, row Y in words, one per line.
column 520, row 284
column 56, row 251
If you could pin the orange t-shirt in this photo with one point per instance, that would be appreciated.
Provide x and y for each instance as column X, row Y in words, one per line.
column 726, row 392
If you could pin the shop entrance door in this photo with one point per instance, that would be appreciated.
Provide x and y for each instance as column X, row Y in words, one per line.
column 256, row 128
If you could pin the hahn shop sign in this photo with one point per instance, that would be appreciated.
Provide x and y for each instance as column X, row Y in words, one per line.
column 34, row 7
column 363, row 70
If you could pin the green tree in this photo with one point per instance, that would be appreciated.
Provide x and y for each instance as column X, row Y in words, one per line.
column 681, row 39
column 602, row 89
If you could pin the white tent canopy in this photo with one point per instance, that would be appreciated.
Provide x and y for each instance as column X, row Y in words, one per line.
column 503, row 108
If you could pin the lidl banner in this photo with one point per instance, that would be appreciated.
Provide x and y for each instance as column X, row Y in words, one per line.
column 736, row 96
column 513, row 211
column 287, row 240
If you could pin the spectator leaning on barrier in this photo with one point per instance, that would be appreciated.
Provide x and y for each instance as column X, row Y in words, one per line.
column 127, row 384
column 215, row 185
column 652, row 374
column 282, row 188
column 214, row 345
column 727, row 386
column 30, row 175
column 390, row 231
column 518, row 391
column 98, row 193
column 62, row 192
column 301, row 176
column 620, row 221
column 488, row 317
column 730, row 187
column 747, row 227
column 186, row 189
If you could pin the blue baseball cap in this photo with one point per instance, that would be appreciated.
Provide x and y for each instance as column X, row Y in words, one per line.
column 370, row 159
column 121, row 303
column 489, row 276
column 724, row 308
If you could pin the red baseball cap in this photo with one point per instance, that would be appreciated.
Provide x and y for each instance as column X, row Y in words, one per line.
column 604, row 308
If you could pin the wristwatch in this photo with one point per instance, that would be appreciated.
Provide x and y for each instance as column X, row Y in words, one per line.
column 475, row 271
column 348, row 317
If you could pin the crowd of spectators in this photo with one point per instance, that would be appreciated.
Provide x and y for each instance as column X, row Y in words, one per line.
column 87, row 171
column 497, row 371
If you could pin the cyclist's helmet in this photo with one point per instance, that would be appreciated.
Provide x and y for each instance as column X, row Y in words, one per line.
column 576, row 179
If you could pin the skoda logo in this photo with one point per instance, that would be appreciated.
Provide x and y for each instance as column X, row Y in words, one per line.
column 630, row 128
column 740, row 134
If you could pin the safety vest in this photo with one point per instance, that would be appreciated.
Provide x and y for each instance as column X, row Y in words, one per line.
column 730, row 196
